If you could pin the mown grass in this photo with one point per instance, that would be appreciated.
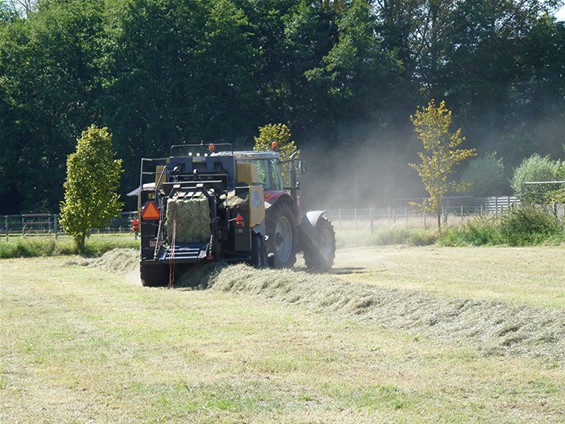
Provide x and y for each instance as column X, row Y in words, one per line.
column 515, row 275
column 386, row 237
column 82, row 344
column 37, row 246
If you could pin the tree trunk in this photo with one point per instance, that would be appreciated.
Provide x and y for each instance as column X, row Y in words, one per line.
column 80, row 242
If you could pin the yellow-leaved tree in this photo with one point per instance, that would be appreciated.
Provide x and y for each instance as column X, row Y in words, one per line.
column 440, row 156
column 279, row 133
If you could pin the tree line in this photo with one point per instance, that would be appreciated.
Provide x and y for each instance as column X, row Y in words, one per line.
column 341, row 74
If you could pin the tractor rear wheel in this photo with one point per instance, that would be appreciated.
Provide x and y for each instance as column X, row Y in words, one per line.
column 281, row 230
column 321, row 258
column 154, row 275
column 258, row 251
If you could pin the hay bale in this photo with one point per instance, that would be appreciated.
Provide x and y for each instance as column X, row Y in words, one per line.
column 193, row 219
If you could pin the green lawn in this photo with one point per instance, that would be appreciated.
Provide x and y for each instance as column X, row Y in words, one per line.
column 532, row 276
column 49, row 245
column 83, row 344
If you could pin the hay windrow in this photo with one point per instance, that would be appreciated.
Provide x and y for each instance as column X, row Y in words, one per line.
column 120, row 260
column 491, row 327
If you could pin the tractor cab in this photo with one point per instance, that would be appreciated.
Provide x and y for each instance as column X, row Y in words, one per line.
column 267, row 167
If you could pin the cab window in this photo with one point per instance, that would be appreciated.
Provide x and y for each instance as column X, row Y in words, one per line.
column 269, row 174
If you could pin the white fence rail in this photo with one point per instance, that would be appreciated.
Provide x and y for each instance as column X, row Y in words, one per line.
column 371, row 219
column 46, row 223
column 455, row 212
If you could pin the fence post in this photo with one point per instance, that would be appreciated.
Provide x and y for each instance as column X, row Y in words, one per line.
column 461, row 214
column 371, row 219
column 6, row 225
column 56, row 225
column 496, row 206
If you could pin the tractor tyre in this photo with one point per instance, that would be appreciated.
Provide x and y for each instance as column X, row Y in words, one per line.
column 281, row 232
column 154, row 275
column 321, row 259
column 258, row 251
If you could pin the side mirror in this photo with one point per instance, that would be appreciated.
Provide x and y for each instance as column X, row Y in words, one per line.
column 302, row 167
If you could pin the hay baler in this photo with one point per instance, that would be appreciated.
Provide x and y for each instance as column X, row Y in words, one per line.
column 202, row 204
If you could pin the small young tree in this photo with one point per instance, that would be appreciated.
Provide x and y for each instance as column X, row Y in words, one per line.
column 278, row 133
column 93, row 177
column 441, row 153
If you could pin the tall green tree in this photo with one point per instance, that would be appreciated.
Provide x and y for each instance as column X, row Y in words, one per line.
column 93, row 177
column 177, row 71
column 357, row 73
column 49, row 83
column 494, row 75
column 441, row 153
column 309, row 34
column 7, row 12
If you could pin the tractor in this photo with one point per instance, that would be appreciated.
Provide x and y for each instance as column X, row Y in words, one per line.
column 209, row 203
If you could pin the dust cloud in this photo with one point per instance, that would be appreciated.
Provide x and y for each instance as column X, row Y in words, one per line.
column 369, row 171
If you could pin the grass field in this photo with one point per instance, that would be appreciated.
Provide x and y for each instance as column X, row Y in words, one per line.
column 48, row 245
column 89, row 344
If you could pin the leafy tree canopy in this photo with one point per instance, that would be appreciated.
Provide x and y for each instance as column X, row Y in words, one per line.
column 441, row 153
column 275, row 133
column 486, row 176
column 531, row 180
column 93, row 177
column 340, row 73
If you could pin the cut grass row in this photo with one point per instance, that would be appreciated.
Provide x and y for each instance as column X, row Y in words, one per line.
column 80, row 344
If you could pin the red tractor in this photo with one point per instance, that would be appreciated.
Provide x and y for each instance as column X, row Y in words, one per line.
column 201, row 205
